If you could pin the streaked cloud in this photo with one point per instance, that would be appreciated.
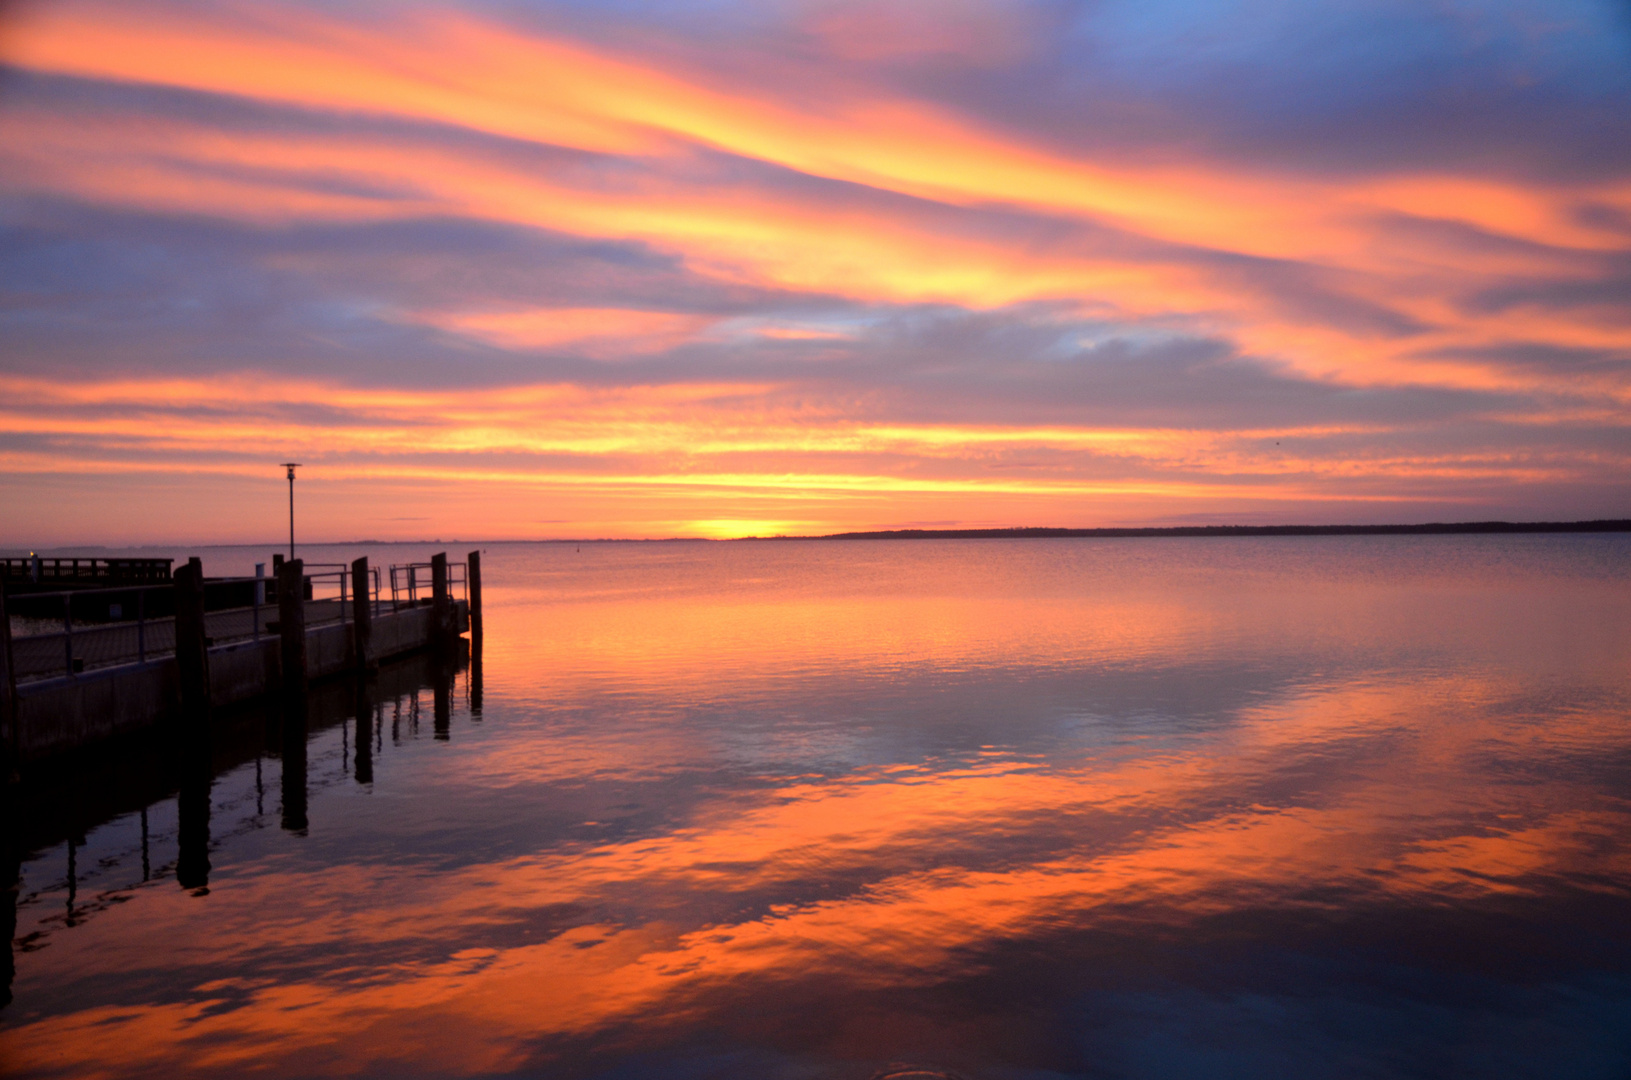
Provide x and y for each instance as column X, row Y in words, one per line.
column 1093, row 258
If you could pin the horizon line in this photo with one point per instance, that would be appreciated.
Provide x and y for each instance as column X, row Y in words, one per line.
column 1016, row 532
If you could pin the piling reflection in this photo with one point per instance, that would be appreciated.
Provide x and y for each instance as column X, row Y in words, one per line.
column 76, row 841
column 453, row 657
column 292, row 736
column 442, row 701
column 196, row 776
column 364, row 713
column 134, row 785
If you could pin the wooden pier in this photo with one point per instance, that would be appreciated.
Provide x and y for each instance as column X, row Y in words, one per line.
column 67, row 690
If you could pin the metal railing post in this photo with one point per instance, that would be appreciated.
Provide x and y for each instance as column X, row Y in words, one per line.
column 141, row 626
column 68, row 633
column 260, row 596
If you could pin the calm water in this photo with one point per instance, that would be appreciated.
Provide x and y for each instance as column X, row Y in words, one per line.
column 1144, row 808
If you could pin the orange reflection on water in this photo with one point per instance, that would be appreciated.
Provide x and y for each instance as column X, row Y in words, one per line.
column 927, row 887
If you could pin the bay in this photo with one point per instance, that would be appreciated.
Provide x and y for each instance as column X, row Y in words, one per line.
column 1301, row 806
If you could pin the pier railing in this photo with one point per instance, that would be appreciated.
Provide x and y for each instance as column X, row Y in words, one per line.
column 408, row 580
column 124, row 625
column 127, row 632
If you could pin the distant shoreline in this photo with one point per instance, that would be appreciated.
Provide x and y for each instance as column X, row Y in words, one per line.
column 1434, row 529
column 1607, row 525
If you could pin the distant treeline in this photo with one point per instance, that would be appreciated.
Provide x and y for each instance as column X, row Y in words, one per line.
column 1437, row 528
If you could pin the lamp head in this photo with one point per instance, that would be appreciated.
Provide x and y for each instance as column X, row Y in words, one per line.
column 291, row 466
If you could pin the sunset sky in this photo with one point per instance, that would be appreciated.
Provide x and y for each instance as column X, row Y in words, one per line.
column 723, row 268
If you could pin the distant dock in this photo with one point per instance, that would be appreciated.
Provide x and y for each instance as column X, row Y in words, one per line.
column 135, row 645
column 39, row 573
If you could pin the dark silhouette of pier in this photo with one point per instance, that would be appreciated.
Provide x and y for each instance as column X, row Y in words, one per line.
column 130, row 656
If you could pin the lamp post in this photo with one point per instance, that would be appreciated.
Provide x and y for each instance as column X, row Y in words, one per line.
column 291, row 466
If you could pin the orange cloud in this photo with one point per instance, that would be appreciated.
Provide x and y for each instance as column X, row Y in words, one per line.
column 482, row 76
column 1350, row 282
column 595, row 331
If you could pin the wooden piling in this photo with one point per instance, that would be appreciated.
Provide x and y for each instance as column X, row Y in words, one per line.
column 362, row 620
column 291, row 596
column 193, row 733
column 441, row 605
column 192, row 647
column 473, row 578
